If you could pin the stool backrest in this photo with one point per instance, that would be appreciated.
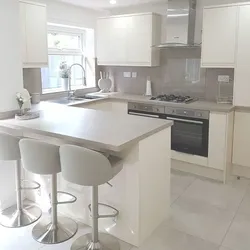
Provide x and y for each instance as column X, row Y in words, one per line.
column 84, row 167
column 40, row 157
column 9, row 148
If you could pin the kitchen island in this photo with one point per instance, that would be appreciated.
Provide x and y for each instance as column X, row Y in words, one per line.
column 140, row 192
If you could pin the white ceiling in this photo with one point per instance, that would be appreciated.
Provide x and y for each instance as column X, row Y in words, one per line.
column 104, row 4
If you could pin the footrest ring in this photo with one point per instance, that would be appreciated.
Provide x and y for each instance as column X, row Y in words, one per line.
column 116, row 212
column 71, row 196
column 36, row 185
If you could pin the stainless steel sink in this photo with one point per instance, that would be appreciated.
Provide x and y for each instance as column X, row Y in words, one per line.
column 66, row 100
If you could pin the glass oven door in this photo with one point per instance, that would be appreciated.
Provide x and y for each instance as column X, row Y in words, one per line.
column 190, row 135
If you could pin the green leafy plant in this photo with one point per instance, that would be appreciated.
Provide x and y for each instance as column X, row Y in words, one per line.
column 64, row 70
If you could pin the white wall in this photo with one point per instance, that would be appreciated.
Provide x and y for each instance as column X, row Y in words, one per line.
column 67, row 14
column 10, row 51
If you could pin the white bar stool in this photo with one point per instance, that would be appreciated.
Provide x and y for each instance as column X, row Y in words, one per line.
column 89, row 168
column 44, row 159
column 19, row 215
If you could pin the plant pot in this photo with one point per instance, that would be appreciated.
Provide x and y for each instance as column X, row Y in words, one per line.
column 65, row 83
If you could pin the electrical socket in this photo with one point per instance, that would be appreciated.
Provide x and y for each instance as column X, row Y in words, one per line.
column 134, row 74
column 127, row 74
column 224, row 78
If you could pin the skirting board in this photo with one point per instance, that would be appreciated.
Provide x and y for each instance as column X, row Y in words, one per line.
column 241, row 171
column 198, row 170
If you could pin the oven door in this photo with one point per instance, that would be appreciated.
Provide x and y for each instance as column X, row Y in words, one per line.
column 189, row 135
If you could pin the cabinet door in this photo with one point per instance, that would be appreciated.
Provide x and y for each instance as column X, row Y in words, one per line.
column 242, row 70
column 120, row 107
column 36, row 34
column 23, row 31
column 139, row 37
column 104, row 40
column 217, row 141
column 241, row 139
column 219, row 37
column 112, row 41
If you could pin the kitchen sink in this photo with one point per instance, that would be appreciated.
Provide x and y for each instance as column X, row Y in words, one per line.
column 66, row 100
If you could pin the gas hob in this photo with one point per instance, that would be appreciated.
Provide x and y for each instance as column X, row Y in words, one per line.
column 174, row 98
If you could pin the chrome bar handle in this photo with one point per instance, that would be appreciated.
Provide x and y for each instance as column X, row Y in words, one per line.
column 184, row 120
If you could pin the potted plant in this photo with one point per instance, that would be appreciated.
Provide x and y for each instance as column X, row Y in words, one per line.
column 64, row 75
column 21, row 100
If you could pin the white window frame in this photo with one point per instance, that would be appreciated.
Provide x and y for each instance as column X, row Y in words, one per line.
column 52, row 51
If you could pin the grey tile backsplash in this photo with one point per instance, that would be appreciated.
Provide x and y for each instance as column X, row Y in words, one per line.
column 179, row 73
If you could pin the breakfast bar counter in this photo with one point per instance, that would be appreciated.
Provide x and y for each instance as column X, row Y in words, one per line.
column 140, row 192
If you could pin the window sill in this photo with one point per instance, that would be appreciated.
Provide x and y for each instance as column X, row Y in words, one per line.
column 53, row 94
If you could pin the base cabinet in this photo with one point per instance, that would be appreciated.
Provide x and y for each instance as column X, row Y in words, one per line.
column 217, row 141
column 118, row 107
column 241, row 146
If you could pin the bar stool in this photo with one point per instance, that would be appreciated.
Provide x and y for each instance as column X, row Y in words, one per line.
column 43, row 158
column 19, row 215
column 89, row 168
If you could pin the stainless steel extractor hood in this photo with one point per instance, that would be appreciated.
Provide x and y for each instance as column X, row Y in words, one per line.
column 180, row 25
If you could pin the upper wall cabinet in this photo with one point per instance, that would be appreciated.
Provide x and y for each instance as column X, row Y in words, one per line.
column 242, row 69
column 219, row 36
column 33, row 34
column 127, row 40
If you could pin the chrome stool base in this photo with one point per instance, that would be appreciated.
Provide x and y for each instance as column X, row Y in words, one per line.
column 13, row 218
column 106, row 242
column 45, row 233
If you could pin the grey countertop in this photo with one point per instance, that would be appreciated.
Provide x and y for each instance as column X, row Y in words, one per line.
column 199, row 105
column 96, row 129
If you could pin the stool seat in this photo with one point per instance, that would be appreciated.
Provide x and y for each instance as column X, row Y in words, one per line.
column 21, row 214
column 90, row 168
column 116, row 164
column 44, row 159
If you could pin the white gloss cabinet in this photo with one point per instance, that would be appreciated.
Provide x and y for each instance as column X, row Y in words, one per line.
column 217, row 140
column 241, row 144
column 128, row 40
column 219, row 36
column 242, row 69
column 221, row 142
column 33, row 34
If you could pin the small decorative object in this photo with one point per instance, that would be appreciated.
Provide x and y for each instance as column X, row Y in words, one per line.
column 64, row 75
column 28, row 115
column 35, row 98
column 21, row 100
column 104, row 82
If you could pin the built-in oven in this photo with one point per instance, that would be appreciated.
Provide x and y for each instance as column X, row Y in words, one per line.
column 189, row 134
column 140, row 109
column 190, row 130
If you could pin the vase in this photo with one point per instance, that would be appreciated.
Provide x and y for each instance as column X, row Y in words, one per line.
column 65, row 83
column 21, row 112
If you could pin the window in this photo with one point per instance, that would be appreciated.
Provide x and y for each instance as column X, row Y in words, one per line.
column 64, row 46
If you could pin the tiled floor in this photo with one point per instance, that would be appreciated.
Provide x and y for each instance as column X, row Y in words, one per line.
column 206, row 215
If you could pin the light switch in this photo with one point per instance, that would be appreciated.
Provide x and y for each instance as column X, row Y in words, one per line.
column 134, row 74
column 127, row 74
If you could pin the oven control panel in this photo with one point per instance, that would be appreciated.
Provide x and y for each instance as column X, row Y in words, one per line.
column 146, row 108
column 192, row 113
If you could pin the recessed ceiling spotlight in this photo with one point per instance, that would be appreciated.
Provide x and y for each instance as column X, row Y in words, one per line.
column 112, row 1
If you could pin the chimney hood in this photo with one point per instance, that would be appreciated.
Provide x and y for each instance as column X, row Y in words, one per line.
column 180, row 25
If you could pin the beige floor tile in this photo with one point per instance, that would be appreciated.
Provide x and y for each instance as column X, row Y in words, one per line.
column 179, row 183
column 217, row 194
column 166, row 238
column 238, row 236
column 199, row 219
column 245, row 205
